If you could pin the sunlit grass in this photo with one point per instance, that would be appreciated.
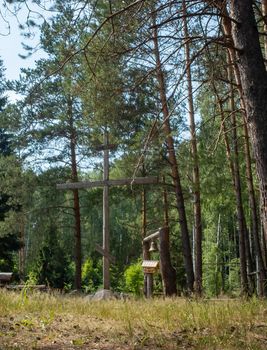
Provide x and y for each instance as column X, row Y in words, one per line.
column 226, row 324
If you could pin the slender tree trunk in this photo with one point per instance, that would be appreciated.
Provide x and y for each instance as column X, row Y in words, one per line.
column 76, row 202
column 234, row 168
column 240, row 217
column 264, row 246
column 22, row 250
column 196, row 177
column 244, row 246
column 217, row 291
column 167, row 270
column 254, row 217
column 145, row 245
column 187, row 255
column 251, row 267
column 165, row 204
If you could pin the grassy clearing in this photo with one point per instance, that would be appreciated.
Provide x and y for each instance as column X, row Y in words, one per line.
column 45, row 321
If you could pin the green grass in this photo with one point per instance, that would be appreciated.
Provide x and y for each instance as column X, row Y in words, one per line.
column 39, row 320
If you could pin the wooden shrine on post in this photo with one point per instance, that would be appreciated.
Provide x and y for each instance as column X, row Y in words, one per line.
column 106, row 183
column 168, row 273
column 5, row 278
column 150, row 266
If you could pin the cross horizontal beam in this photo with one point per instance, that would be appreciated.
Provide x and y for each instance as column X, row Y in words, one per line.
column 102, row 183
column 102, row 251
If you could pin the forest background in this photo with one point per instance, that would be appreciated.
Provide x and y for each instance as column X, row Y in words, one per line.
column 162, row 77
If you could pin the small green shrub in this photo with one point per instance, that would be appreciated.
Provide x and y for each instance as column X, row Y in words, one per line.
column 91, row 275
column 53, row 266
column 134, row 278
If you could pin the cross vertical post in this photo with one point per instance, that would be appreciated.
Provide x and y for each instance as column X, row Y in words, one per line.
column 106, row 263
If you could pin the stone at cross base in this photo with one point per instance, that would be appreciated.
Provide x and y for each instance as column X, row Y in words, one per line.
column 103, row 294
column 106, row 294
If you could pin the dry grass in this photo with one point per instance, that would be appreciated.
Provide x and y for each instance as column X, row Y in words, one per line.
column 45, row 321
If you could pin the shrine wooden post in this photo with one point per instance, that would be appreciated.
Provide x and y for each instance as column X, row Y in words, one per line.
column 168, row 273
column 106, row 233
column 106, row 183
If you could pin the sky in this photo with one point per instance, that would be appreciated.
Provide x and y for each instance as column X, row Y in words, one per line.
column 10, row 48
column 11, row 45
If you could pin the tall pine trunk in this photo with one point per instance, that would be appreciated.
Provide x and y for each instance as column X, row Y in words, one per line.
column 168, row 271
column 254, row 216
column 244, row 245
column 76, row 201
column 22, row 255
column 196, row 176
column 186, row 248
column 234, row 168
column 253, row 79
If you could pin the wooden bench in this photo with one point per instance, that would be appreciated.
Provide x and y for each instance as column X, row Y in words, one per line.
column 5, row 278
column 39, row 287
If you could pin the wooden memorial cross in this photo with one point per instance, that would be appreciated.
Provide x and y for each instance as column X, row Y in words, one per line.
column 106, row 183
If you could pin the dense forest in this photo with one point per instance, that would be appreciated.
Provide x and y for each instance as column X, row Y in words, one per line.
column 179, row 89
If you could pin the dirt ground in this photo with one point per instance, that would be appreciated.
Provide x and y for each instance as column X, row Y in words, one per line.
column 85, row 333
column 97, row 334
column 44, row 321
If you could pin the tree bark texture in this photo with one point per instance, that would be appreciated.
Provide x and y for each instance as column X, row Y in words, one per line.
column 168, row 273
column 196, row 176
column 244, row 246
column 254, row 216
column 187, row 255
column 234, row 168
column 165, row 204
column 76, row 202
column 227, row 29
column 253, row 78
column 22, row 252
column 146, row 253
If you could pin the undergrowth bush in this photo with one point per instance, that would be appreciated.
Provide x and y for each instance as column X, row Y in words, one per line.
column 134, row 278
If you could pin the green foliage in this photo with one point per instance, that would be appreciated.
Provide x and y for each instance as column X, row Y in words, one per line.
column 117, row 278
column 91, row 275
column 53, row 264
column 234, row 277
column 8, row 245
column 13, row 188
column 46, row 207
column 5, row 146
column 212, row 279
column 31, row 281
column 134, row 278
